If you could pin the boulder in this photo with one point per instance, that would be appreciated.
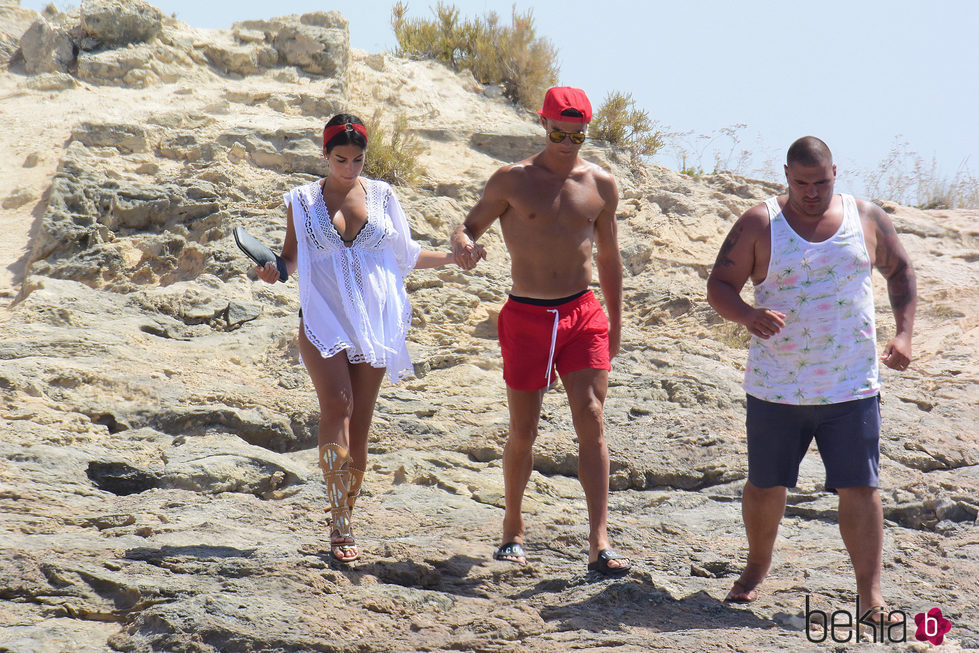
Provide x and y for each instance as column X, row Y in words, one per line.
column 47, row 49
column 242, row 59
column 125, row 138
column 316, row 50
column 327, row 19
column 223, row 463
column 50, row 82
column 118, row 22
column 140, row 65
column 14, row 21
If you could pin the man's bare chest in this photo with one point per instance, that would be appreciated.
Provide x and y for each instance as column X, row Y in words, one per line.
column 566, row 210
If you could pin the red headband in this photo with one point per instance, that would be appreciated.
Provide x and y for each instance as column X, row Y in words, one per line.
column 333, row 130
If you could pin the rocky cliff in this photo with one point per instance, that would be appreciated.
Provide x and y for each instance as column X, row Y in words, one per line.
column 158, row 486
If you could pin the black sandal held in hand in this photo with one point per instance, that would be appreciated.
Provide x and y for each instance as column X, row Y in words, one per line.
column 601, row 565
column 258, row 252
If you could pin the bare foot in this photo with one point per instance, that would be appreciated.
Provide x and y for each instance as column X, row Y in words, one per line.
column 745, row 588
column 742, row 592
column 882, row 613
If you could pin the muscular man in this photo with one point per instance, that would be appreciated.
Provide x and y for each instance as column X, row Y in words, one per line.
column 553, row 208
column 812, row 369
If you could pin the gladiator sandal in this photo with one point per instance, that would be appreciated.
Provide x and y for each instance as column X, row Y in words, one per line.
column 333, row 459
column 356, row 480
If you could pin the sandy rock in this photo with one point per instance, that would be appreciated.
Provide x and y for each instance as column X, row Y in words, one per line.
column 14, row 21
column 57, row 81
column 125, row 138
column 243, row 35
column 242, row 59
column 289, row 151
column 18, row 198
column 119, row 22
column 326, row 19
column 317, row 50
column 46, row 49
column 223, row 463
column 138, row 66
column 376, row 61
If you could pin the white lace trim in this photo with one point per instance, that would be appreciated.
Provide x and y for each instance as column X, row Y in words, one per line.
column 349, row 276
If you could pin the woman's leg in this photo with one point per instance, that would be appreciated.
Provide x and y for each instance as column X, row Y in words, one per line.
column 366, row 383
column 334, row 391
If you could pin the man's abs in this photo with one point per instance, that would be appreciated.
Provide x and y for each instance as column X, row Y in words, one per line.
column 548, row 270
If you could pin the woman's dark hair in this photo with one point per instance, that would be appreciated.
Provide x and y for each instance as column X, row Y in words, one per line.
column 345, row 137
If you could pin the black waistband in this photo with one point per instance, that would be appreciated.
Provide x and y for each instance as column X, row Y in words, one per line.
column 548, row 302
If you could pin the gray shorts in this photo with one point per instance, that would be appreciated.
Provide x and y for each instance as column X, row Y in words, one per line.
column 847, row 436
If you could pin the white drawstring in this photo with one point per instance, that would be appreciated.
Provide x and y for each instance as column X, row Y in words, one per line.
column 550, row 356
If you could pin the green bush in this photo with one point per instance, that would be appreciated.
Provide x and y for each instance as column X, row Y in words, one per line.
column 620, row 123
column 511, row 56
column 392, row 158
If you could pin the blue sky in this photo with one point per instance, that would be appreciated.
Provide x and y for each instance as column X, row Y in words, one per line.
column 855, row 73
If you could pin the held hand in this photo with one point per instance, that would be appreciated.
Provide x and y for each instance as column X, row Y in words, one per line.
column 765, row 323
column 897, row 353
column 479, row 252
column 269, row 273
column 467, row 254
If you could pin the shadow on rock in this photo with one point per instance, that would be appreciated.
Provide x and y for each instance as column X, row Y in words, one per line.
column 640, row 603
column 450, row 576
column 203, row 552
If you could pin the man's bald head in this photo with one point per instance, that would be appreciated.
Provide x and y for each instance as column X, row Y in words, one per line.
column 809, row 151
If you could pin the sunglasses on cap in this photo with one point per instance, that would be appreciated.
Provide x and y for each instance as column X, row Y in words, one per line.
column 558, row 136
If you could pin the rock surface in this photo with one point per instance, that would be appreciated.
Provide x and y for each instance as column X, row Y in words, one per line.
column 158, row 485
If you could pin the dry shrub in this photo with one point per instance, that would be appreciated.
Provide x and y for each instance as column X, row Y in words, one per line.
column 511, row 56
column 392, row 158
column 903, row 176
column 620, row 123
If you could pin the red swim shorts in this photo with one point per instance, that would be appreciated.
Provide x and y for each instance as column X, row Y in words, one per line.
column 537, row 340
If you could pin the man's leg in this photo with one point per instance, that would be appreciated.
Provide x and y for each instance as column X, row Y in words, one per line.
column 862, row 527
column 586, row 397
column 849, row 442
column 762, row 510
column 518, row 460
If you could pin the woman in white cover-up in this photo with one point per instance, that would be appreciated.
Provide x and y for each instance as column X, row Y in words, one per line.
column 349, row 240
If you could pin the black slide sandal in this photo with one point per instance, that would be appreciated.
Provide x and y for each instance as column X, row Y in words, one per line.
column 601, row 564
column 256, row 251
column 510, row 550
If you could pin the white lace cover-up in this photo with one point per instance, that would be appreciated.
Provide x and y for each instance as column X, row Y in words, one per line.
column 353, row 298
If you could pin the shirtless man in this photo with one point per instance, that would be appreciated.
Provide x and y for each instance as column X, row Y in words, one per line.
column 553, row 208
column 812, row 369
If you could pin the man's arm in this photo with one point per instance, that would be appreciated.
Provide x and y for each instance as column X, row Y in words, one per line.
column 731, row 271
column 902, row 288
column 491, row 205
column 608, row 260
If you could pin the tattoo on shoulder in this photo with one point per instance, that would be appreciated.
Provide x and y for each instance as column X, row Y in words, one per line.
column 884, row 224
column 732, row 239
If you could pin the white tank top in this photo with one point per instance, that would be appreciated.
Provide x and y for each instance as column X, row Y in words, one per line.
column 827, row 352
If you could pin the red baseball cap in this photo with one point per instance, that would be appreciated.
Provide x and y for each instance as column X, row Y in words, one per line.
column 562, row 98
